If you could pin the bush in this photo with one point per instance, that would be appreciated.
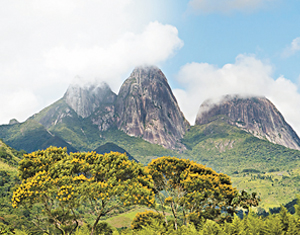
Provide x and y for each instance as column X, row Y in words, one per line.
column 103, row 228
column 146, row 218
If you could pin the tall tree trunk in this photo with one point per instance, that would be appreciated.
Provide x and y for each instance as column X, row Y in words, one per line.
column 98, row 218
column 184, row 216
column 175, row 216
column 163, row 210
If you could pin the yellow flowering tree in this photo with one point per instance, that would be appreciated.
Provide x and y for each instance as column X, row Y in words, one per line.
column 43, row 185
column 146, row 218
column 60, row 183
column 113, row 180
column 196, row 190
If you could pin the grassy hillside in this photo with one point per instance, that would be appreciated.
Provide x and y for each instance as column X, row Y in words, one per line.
column 274, row 188
column 255, row 165
column 31, row 136
column 228, row 149
column 223, row 147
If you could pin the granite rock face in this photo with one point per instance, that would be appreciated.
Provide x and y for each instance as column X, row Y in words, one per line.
column 256, row 115
column 85, row 100
column 147, row 108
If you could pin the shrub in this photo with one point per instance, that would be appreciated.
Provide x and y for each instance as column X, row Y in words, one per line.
column 146, row 218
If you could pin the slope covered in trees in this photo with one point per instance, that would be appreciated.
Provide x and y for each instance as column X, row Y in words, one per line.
column 61, row 186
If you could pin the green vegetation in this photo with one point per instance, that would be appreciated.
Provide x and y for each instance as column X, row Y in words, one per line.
column 193, row 189
column 282, row 224
column 9, row 156
column 111, row 147
column 223, row 147
column 124, row 220
column 59, row 183
column 30, row 136
column 228, row 149
column 253, row 164
column 61, row 193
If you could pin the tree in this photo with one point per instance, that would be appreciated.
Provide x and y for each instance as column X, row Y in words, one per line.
column 143, row 219
column 43, row 184
column 5, row 229
column 60, row 183
column 195, row 189
column 246, row 200
column 113, row 180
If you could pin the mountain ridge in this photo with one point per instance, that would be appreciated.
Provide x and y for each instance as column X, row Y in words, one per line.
column 145, row 107
column 256, row 115
column 149, row 109
column 216, row 143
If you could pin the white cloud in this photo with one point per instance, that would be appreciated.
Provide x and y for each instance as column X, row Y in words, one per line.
column 21, row 103
column 292, row 48
column 155, row 44
column 45, row 44
column 225, row 6
column 247, row 76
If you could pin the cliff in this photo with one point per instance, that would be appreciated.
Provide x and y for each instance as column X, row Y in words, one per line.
column 147, row 108
column 256, row 115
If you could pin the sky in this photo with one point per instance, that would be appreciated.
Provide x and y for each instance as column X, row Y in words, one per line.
column 206, row 49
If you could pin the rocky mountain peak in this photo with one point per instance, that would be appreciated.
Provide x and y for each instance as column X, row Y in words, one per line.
column 256, row 115
column 148, row 109
column 84, row 100
column 13, row 121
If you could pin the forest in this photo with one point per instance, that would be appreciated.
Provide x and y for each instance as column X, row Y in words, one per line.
column 56, row 192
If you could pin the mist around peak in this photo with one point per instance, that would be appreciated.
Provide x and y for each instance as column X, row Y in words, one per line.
column 254, row 114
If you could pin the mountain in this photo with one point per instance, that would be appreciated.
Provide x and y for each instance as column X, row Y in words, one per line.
column 96, row 100
column 256, row 165
column 144, row 118
column 31, row 136
column 256, row 115
column 111, row 147
column 95, row 103
column 88, row 116
column 147, row 108
column 228, row 148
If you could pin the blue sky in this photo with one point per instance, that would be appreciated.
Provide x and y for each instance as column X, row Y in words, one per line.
column 218, row 37
column 206, row 48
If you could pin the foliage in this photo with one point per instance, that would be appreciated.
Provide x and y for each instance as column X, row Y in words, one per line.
column 60, row 182
column 281, row 224
column 246, row 201
column 146, row 218
column 192, row 188
column 221, row 146
column 9, row 155
column 108, row 147
column 30, row 136
column 103, row 228
column 6, row 229
column 239, row 154
column 14, row 217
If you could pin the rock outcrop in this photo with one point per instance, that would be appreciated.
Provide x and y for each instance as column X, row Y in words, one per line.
column 85, row 100
column 13, row 121
column 256, row 115
column 147, row 108
column 94, row 102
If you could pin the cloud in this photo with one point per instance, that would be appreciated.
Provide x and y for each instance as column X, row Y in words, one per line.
column 226, row 6
column 292, row 48
column 45, row 44
column 155, row 44
column 21, row 103
column 247, row 76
